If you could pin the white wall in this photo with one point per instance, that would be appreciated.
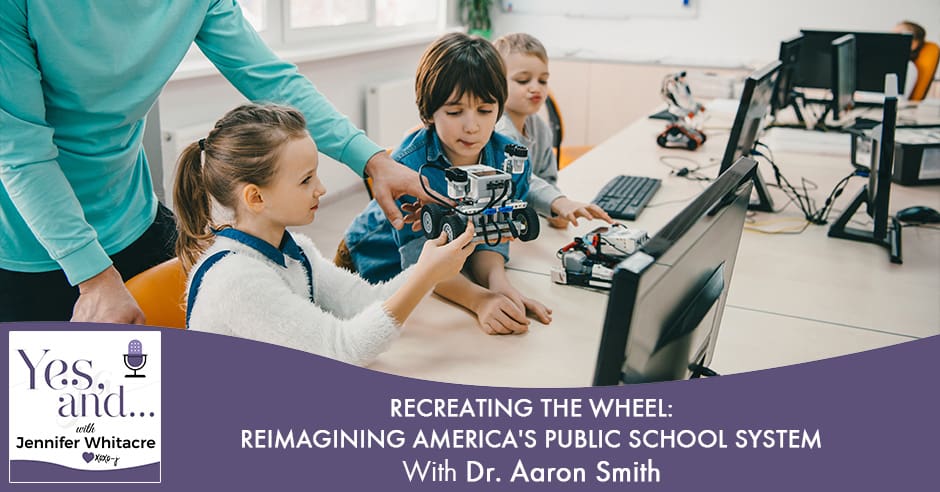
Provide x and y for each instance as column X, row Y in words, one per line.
column 733, row 31
column 189, row 102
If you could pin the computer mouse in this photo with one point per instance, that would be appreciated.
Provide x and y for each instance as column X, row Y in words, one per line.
column 919, row 214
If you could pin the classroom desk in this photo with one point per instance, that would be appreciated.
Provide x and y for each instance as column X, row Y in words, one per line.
column 793, row 298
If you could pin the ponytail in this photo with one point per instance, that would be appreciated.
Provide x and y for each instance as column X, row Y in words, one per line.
column 192, row 206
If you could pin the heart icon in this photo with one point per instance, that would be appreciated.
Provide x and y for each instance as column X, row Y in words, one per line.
column 88, row 457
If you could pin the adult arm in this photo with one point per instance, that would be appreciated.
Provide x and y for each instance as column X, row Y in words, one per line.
column 233, row 46
column 36, row 185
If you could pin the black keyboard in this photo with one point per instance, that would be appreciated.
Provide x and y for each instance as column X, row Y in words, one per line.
column 624, row 197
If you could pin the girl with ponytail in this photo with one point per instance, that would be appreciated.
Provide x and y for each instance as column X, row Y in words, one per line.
column 250, row 277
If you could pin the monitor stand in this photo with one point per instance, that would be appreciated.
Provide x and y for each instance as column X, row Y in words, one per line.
column 890, row 239
column 764, row 202
column 798, row 103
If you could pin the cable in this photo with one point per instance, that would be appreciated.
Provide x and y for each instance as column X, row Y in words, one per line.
column 447, row 205
column 425, row 187
column 822, row 215
column 664, row 158
column 668, row 202
column 803, row 201
column 806, row 204
column 493, row 199
column 684, row 172
column 794, row 231
column 484, row 222
column 486, row 234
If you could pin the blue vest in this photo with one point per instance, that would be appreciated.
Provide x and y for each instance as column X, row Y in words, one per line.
column 288, row 248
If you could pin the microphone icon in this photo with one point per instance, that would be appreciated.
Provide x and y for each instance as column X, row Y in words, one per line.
column 135, row 359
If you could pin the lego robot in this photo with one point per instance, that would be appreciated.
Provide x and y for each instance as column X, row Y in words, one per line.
column 685, row 132
column 483, row 195
column 589, row 261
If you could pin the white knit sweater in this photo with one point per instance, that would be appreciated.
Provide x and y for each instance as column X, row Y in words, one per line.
column 247, row 295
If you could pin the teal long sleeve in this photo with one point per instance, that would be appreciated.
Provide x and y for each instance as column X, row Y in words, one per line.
column 76, row 83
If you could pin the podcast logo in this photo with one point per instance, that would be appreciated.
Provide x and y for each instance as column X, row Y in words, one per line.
column 85, row 406
column 135, row 359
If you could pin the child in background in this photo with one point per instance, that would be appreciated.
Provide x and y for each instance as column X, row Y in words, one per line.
column 256, row 280
column 460, row 91
column 527, row 70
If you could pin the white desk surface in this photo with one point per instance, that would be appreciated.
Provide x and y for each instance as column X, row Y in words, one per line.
column 793, row 298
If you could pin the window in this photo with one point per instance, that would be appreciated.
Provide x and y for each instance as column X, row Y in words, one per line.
column 288, row 23
column 254, row 12
column 298, row 26
column 307, row 13
column 404, row 12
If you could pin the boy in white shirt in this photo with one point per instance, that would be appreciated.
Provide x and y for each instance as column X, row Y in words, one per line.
column 527, row 72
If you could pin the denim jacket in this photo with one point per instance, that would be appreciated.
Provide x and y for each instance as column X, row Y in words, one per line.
column 378, row 250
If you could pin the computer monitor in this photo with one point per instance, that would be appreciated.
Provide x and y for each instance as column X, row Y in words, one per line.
column 667, row 299
column 784, row 93
column 875, row 195
column 748, row 123
column 843, row 75
column 878, row 54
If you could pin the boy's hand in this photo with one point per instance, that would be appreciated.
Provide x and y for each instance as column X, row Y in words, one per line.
column 568, row 210
column 499, row 315
column 557, row 222
column 530, row 306
column 440, row 260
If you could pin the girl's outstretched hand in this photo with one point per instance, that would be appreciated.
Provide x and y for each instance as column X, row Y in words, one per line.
column 441, row 260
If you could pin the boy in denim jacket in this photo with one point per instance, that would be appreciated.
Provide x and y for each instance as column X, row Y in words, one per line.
column 461, row 92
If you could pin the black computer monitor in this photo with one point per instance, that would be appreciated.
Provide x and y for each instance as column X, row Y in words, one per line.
column 667, row 299
column 748, row 123
column 879, row 53
column 784, row 93
column 875, row 195
column 843, row 75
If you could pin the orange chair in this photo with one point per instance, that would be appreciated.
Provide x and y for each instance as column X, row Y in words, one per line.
column 926, row 64
column 564, row 155
column 160, row 291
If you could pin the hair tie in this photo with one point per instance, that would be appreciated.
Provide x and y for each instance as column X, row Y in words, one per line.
column 202, row 144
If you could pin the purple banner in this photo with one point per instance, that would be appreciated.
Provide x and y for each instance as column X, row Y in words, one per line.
column 243, row 415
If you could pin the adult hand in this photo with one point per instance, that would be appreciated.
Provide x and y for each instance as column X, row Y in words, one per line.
column 570, row 210
column 104, row 299
column 391, row 180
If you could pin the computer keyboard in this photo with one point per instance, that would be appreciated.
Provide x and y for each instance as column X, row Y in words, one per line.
column 624, row 197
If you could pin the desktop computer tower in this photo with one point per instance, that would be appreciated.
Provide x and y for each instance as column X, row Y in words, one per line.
column 916, row 154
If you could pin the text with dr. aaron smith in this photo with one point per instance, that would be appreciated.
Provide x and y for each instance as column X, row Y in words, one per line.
column 558, row 424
